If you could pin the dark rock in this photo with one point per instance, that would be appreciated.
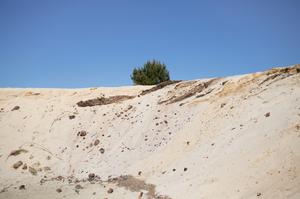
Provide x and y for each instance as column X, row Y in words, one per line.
column 82, row 133
column 22, row 187
column 32, row 170
column 78, row 186
column 96, row 142
column 17, row 164
column 101, row 150
column 267, row 114
column 258, row 194
column 15, row 108
column 110, row 190
column 185, row 169
column 71, row 117
column 24, row 166
column 91, row 176
column 58, row 190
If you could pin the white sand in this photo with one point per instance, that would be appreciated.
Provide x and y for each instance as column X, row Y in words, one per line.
column 228, row 145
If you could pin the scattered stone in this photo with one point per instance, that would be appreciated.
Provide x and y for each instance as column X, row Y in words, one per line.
column 48, row 157
column 71, row 117
column 102, row 150
column 15, row 108
column 110, row 190
column 139, row 173
column 78, row 186
column 267, row 114
column 212, row 144
column 222, row 105
column 47, row 168
column 22, row 187
column 58, row 190
column 17, row 152
column 174, row 169
column 82, row 133
column 96, row 142
column 24, row 166
column 258, row 194
column 185, row 169
column 32, row 170
column 91, row 177
column 17, row 164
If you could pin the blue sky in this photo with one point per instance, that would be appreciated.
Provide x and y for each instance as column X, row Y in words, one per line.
column 86, row 43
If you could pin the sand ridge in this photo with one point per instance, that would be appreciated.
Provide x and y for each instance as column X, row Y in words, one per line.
column 230, row 137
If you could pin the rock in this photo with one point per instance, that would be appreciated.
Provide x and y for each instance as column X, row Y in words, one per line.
column 267, row 114
column 32, row 170
column 71, row 117
column 102, row 150
column 185, row 169
column 78, row 186
column 91, row 176
column 96, row 142
column 15, row 108
column 110, row 190
column 222, row 105
column 58, row 190
column 17, row 164
column 47, row 168
column 24, row 166
column 258, row 194
column 139, row 173
column 82, row 133
column 22, row 187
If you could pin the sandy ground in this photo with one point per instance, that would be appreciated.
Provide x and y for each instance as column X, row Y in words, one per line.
column 233, row 137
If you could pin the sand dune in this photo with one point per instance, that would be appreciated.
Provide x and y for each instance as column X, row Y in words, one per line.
column 231, row 137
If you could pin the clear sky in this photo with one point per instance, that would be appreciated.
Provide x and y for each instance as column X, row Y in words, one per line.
column 86, row 43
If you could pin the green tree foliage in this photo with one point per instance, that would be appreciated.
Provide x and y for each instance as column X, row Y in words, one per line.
column 153, row 72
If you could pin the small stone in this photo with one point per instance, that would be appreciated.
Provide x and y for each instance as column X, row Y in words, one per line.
column 22, row 187
column 139, row 173
column 258, row 194
column 267, row 114
column 110, row 190
column 71, row 117
column 24, row 166
column 17, row 164
column 91, row 176
column 185, row 169
column 78, row 186
column 58, row 190
column 102, row 150
column 82, row 133
column 15, row 108
column 32, row 170
column 47, row 168
column 96, row 142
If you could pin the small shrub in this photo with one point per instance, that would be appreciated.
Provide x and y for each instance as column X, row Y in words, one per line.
column 153, row 72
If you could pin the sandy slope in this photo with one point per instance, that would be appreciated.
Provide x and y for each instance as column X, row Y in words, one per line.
column 235, row 137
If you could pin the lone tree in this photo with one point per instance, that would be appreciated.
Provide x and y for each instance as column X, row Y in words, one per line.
column 153, row 72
